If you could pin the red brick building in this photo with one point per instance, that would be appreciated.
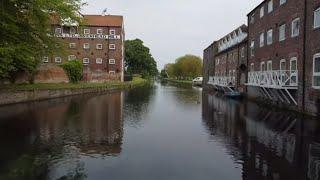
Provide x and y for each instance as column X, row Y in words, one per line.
column 98, row 44
column 284, row 51
column 230, row 61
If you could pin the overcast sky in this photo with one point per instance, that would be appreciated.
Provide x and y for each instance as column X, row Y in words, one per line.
column 173, row 28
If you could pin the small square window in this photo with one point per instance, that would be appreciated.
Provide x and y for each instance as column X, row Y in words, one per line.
column 86, row 31
column 112, row 46
column 58, row 31
column 58, row 59
column 86, row 46
column 99, row 60
column 72, row 57
column 99, row 46
column 295, row 27
column 72, row 45
column 86, row 61
column 112, row 32
column 45, row 59
column 99, row 31
column 112, row 61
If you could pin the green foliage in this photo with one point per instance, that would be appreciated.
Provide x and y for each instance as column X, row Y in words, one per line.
column 186, row 67
column 138, row 59
column 24, row 29
column 163, row 74
column 74, row 70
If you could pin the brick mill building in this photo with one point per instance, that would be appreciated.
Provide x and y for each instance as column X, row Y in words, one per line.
column 230, row 61
column 98, row 43
column 283, row 62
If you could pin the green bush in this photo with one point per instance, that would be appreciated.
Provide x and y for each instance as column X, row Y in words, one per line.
column 74, row 70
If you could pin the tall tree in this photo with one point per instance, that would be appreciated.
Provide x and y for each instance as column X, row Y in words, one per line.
column 185, row 67
column 138, row 59
column 25, row 32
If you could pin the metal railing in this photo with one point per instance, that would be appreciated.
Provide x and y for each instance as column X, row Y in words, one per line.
column 273, row 79
column 222, row 80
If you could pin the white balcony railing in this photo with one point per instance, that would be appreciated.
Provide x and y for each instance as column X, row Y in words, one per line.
column 274, row 79
column 226, row 81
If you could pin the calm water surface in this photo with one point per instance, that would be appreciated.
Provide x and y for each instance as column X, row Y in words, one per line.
column 159, row 132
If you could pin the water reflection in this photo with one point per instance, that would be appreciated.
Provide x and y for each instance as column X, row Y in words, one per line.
column 50, row 139
column 268, row 143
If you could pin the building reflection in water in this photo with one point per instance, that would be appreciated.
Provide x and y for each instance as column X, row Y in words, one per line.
column 64, row 130
column 267, row 142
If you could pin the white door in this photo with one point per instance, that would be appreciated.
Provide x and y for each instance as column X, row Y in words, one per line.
column 293, row 72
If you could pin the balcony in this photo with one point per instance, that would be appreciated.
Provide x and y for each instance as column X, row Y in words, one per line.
column 278, row 79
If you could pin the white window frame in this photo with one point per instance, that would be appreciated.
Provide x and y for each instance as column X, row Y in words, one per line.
column 317, row 74
column 86, row 31
column 264, row 66
column 112, row 32
column 99, row 46
column 252, row 18
column 270, row 33
column 58, row 30
column 262, row 39
column 100, row 31
column 269, row 65
column 283, row 70
column 45, row 59
column 98, row 60
column 86, row 45
column 242, row 52
column 72, row 57
column 72, row 45
column 270, row 6
column 282, row 2
column 58, row 59
column 86, row 61
column 292, row 27
column 291, row 70
column 112, row 46
column 252, row 48
column 282, row 29
column 261, row 12
column 316, row 17
column 252, row 67
column 112, row 61
column 112, row 72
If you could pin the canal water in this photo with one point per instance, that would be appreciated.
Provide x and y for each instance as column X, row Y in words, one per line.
column 156, row 132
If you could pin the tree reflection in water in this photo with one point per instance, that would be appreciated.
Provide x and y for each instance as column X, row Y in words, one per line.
column 268, row 142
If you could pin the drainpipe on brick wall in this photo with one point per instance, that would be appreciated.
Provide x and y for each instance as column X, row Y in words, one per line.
column 304, row 56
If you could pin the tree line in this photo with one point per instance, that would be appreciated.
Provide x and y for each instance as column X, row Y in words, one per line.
column 185, row 68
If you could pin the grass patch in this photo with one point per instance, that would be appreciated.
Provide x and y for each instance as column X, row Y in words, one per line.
column 56, row 86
